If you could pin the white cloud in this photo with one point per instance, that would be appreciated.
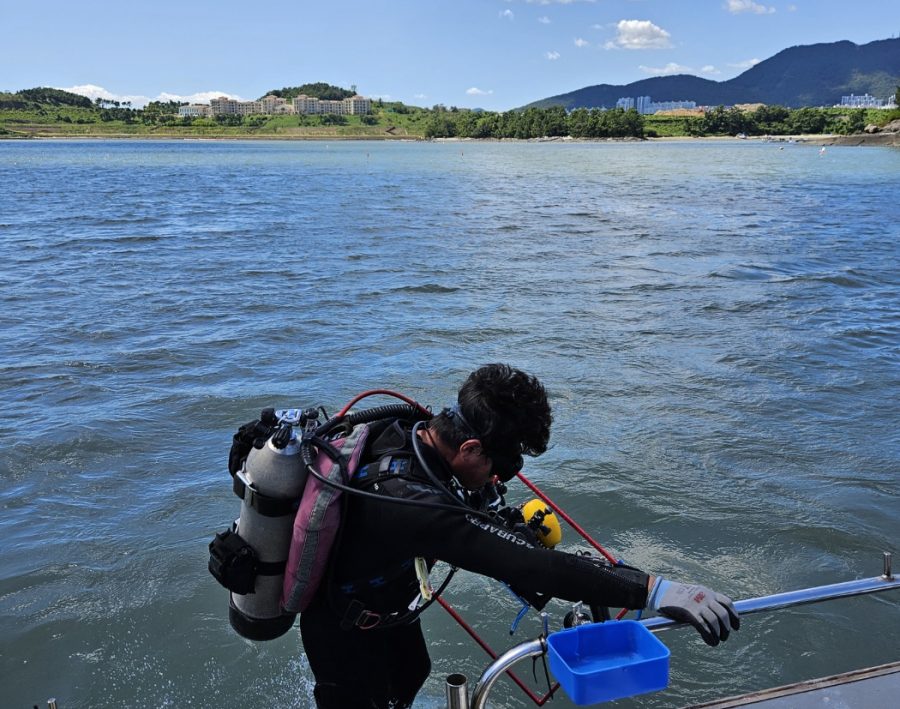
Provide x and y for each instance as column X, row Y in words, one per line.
column 475, row 91
column 670, row 68
column 792, row 8
column 746, row 64
column 544, row 20
column 93, row 92
column 507, row 15
column 200, row 97
column 579, row 42
column 552, row 55
column 639, row 34
column 558, row 2
column 736, row 7
column 709, row 69
column 420, row 96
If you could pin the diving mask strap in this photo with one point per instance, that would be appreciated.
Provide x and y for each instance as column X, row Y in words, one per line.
column 456, row 415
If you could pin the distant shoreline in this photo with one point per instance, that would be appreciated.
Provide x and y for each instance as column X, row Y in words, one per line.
column 863, row 139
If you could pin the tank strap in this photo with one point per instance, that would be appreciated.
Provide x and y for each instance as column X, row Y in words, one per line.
column 270, row 568
column 235, row 564
column 266, row 505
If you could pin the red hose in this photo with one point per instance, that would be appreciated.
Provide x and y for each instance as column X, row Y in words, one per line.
column 388, row 392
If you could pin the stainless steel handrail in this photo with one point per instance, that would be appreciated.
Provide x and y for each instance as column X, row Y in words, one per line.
column 789, row 599
column 846, row 589
column 531, row 648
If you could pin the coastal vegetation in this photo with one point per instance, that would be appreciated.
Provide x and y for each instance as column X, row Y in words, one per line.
column 45, row 112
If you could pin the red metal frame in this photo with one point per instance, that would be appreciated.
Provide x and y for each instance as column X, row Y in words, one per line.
column 542, row 699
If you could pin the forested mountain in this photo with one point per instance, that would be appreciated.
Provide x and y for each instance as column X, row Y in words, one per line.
column 319, row 90
column 810, row 75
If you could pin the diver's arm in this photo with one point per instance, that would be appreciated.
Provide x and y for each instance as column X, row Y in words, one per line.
column 472, row 543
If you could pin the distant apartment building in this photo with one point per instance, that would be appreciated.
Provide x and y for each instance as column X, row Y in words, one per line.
column 864, row 101
column 275, row 105
column 646, row 106
column 354, row 105
column 657, row 106
column 194, row 110
column 224, row 106
column 358, row 105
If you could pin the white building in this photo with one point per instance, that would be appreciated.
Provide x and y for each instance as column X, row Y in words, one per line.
column 358, row 105
column 657, row 106
column 194, row 110
column 275, row 105
column 355, row 105
column 864, row 101
column 223, row 106
column 645, row 105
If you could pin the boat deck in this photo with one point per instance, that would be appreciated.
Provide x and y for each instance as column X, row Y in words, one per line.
column 869, row 688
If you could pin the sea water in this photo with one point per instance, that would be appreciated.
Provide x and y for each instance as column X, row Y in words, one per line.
column 716, row 324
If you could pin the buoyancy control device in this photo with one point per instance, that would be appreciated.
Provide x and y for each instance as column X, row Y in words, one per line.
column 288, row 470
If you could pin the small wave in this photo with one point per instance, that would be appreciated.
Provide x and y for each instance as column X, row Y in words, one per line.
column 115, row 221
column 742, row 307
column 743, row 273
column 843, row 280
column 869, row 337
column 131, row 239
column 653, row 287
column 426, row 288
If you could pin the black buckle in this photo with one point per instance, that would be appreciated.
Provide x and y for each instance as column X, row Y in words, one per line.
column 366, row 620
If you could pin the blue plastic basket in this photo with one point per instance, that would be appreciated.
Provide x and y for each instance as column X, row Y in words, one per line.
column 600, row 662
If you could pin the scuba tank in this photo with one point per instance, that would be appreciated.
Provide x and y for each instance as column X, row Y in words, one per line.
column 249, row 559
column 274, row 557
column 276, row 471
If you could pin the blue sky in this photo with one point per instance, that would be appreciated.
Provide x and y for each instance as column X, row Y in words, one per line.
column 493, row 54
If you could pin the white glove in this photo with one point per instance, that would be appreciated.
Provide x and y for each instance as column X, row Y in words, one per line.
column 711, row 613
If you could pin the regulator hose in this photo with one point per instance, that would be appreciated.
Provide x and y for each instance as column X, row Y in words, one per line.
column 316, row 441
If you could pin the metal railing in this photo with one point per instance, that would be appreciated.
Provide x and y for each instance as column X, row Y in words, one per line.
column 457, row 692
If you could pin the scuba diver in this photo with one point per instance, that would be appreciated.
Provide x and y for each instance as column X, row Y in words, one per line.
column 361, row 632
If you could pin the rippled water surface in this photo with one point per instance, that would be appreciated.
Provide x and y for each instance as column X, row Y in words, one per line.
column 717, row 324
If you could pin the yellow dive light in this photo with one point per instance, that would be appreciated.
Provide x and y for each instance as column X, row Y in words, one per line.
column 545, row 525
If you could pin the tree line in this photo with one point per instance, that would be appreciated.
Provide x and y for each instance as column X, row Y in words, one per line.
column 619, row 123
column 319, row 90
column 535, row 123
column 777, row 120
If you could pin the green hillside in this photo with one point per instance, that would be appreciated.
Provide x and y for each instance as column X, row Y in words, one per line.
column 319, row 90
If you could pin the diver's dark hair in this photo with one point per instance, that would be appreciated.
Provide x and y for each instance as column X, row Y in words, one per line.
column 505, row 408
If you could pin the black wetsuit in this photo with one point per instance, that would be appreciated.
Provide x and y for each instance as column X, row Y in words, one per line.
column 373, row 581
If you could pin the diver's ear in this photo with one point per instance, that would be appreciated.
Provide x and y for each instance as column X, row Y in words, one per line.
column 471, row 446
